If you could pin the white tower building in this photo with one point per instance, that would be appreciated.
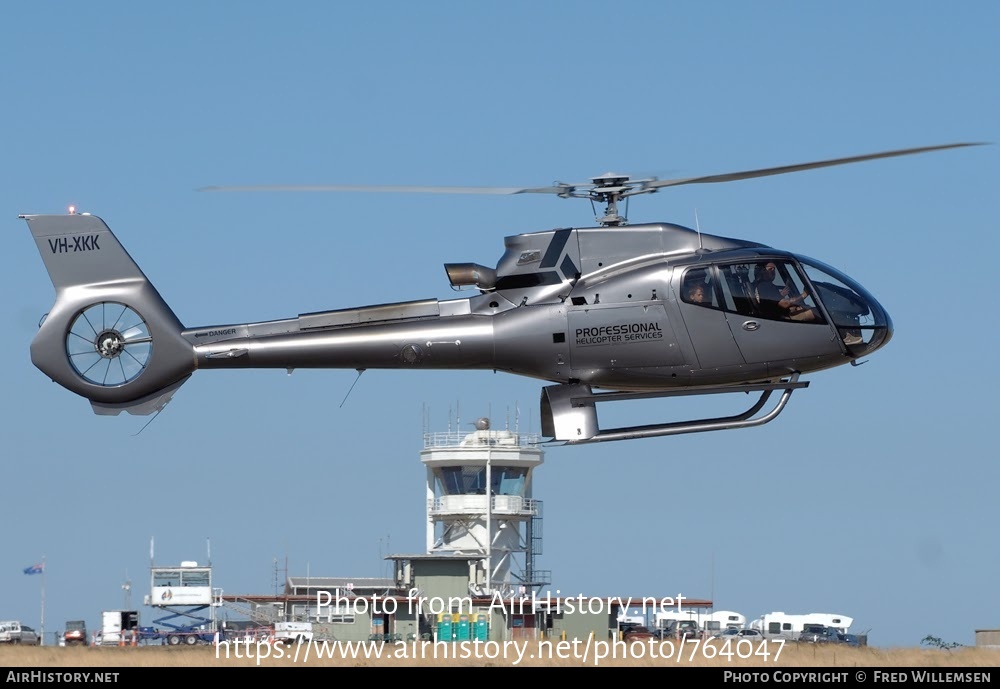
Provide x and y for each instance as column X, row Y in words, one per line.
column 480, row 503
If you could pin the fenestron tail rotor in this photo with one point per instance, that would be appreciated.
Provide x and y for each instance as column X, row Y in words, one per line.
column 109, row 344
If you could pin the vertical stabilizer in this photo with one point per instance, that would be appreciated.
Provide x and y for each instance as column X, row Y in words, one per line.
column 109, row 336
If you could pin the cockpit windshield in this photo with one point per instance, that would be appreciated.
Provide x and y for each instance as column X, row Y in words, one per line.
column 854, row 311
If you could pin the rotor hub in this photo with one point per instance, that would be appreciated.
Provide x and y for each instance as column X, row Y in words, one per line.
column 110, row 343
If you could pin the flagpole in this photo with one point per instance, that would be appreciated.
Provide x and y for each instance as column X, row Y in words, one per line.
column 42, row 627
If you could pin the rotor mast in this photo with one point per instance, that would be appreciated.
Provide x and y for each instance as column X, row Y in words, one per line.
column 609, row 189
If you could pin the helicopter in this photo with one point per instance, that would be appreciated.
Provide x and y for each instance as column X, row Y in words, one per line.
column 607, row 313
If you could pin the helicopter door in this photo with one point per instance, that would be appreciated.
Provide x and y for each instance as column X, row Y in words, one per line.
column 767, row 329
column 706, row 323
column 615, row 336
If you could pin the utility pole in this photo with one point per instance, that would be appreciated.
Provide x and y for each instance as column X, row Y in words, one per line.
column 41, row 636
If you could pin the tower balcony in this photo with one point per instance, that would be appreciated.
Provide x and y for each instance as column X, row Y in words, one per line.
column 499, row 506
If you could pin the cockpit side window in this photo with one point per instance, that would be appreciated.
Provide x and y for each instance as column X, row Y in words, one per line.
column 737, row 289
column 771, row 289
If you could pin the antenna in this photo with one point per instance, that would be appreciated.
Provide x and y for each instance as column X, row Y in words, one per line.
column 148, row 422
column 712, row 583
column 150, row 551
column 697, row 228
column 383, row 565
column 360, row 371
column 388, row 551
column 208, row 546
column 127, row 588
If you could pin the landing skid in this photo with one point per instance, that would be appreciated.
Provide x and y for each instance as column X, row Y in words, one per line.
column 569, row 412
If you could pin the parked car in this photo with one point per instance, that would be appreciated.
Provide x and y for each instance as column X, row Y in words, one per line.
column 683, row 629
column 75, row 634
column 14, row 632
column 30, row 636
column 736, row 634
column 637, row 633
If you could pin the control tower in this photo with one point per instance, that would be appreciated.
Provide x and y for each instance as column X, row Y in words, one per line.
column 480, row 503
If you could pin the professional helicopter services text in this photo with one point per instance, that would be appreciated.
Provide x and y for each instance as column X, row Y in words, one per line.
column 628, row 332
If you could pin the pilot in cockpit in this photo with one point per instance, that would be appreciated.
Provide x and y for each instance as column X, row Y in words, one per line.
column 779, row 302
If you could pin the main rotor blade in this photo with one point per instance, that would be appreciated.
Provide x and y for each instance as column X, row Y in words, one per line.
column 391, row 189
column 734, row 176
column 566, row 190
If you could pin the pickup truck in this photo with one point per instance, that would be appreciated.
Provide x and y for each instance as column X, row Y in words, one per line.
column 13, row 632
column 819, row 634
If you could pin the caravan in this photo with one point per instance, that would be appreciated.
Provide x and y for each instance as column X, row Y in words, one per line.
column 707, row 622
column 779, row 625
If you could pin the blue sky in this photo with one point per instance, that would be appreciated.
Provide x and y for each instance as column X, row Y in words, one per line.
column 873, row 495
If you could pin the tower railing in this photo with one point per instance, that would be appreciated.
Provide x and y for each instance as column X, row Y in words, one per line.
column 493, row 438
column 499, row 505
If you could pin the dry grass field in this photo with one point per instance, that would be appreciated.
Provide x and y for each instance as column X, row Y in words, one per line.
column 532, row 655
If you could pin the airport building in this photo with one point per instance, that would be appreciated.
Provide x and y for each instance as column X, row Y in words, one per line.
column 479, row 576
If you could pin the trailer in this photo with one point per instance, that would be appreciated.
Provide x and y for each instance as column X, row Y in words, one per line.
column 118, row 627
column 710, row 622
column 780, row 625
column 188, row 635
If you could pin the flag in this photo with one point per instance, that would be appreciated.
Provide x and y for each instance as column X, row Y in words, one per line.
column 35, row 569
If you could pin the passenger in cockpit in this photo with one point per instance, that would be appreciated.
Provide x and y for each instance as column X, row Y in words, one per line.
column 696, row 293
column 696, row 290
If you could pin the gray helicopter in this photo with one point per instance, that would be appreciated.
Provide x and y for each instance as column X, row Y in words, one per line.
column 607, row 313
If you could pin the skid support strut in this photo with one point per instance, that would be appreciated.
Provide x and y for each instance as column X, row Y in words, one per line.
column 569, row 412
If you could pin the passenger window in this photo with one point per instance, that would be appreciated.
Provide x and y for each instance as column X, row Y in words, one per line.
column 697, row 288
